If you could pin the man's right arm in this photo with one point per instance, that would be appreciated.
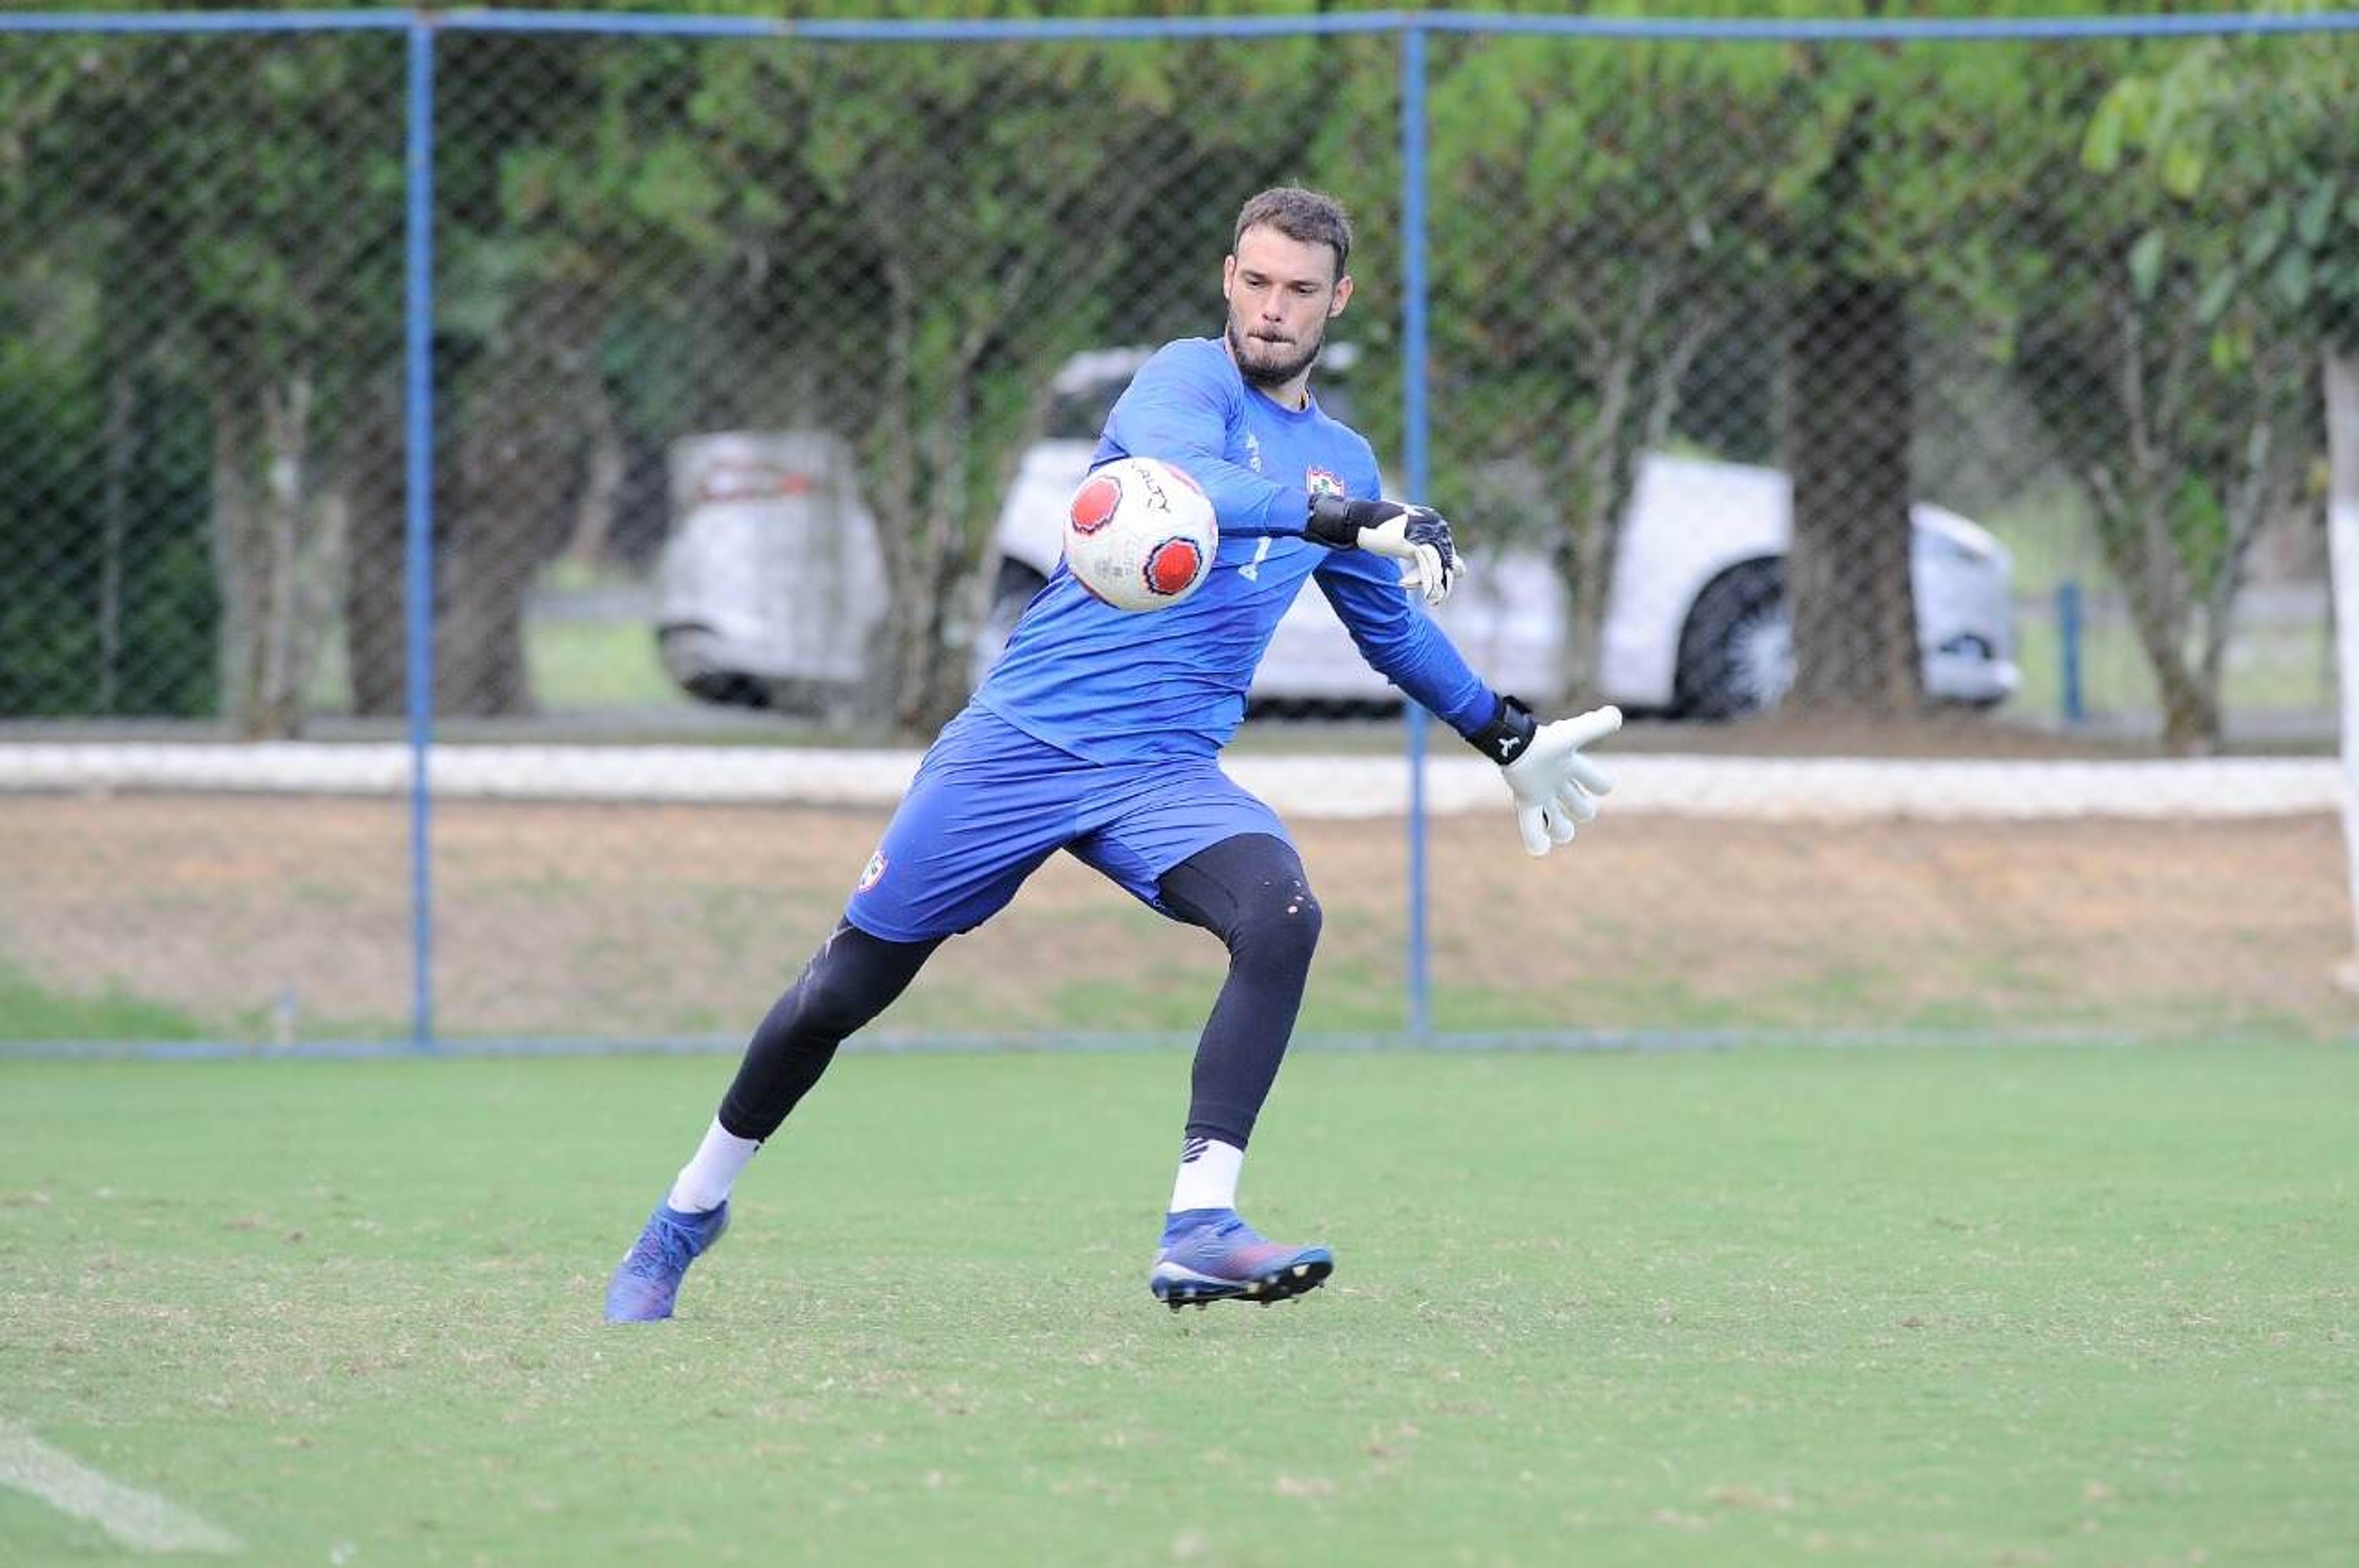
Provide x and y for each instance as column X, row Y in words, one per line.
column 1177, row 409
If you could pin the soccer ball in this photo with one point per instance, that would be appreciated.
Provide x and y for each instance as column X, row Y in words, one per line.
column 1140, row 535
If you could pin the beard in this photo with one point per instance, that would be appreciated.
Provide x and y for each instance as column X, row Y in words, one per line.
column 1266, row 364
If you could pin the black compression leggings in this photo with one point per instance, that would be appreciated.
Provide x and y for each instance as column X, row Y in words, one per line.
column 1249, row 890
column 852, row 978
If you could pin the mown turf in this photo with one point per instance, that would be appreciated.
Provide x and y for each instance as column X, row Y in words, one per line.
column 1909, row 1305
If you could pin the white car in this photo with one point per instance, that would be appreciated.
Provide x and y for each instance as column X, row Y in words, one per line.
column 771, row 581
column 1696, row 621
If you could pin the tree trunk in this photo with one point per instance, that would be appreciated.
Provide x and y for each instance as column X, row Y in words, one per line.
column 1599, row 471
column 1850, row 424
column 2159, row 616
column 485, row 556
column 510, row 501
column 1847, row 572
column 373, row 480
column 1594, row 474
column 2129, row 486
column 590, row 542
column 933, row 682
column 274, row 550
column 122, row 406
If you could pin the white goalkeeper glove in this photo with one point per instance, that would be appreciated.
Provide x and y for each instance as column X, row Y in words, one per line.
column 1556, row 788
column 1417, row 536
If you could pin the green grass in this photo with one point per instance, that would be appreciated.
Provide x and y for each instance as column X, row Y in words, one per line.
column 1968, row 1305
column 575, row 664
column 2269, row 670
column 584, row 664
column 28, row 1011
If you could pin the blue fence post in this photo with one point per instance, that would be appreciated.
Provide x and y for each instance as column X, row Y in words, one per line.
column 1416, row 477
column 2068, row 652
column 418, row 531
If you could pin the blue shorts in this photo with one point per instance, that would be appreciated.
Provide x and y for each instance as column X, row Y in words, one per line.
column 990, row 803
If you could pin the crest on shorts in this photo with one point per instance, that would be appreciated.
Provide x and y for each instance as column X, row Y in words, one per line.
column 872, row 873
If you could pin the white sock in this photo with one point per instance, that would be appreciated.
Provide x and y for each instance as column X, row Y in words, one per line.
column 704, row 1182
column 1208, row 1174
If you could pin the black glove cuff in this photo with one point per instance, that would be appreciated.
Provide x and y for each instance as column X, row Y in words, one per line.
column 1330, row 522
column 1511, row 730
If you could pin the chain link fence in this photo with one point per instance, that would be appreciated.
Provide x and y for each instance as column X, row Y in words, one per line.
column 1946, row 402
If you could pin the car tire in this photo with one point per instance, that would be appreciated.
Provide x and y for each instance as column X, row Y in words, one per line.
column 1011, row 592
column 680, row 648
column 1737, row 651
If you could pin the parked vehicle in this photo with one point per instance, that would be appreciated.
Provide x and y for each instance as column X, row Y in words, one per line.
column 772, row 581
column 1696, row 621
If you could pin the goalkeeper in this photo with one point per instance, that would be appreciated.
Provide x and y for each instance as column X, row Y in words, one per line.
column 1098, row 733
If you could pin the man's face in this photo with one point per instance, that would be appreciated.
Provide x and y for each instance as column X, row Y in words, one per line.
column 1281, row 293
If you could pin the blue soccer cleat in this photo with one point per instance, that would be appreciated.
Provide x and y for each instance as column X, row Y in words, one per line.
column 647, row 1279
column 1210, row 1254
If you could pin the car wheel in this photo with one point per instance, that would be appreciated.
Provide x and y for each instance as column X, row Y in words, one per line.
column 1978, row 649
column 1736, row 652
column 1010, row 593
column 684, row 652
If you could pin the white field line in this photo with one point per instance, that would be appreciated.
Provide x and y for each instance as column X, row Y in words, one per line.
column 136, row 1519
column 1822, row 789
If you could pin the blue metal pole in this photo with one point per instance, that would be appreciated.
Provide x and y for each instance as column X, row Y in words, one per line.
column 418, row 413
column 2068, row 651
column 1418, row 478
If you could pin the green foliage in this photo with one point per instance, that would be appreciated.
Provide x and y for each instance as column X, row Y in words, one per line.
column 903, row 242
column 81, row 509
column 2255, row 137
column 1597, row 229
column 2167, row 328
column 231, row 205
column 898, row 244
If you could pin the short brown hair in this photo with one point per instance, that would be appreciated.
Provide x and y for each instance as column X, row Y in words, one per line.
column 1307, row 217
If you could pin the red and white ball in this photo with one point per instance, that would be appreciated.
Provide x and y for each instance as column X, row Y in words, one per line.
column 1140, row 535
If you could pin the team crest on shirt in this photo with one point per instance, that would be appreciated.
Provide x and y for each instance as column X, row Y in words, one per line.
column 872, row 873
column 1318, row 483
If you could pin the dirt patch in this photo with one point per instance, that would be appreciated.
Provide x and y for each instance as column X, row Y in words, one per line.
column 254, row 913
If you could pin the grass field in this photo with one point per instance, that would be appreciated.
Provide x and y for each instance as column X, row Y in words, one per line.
column 2034, row 1304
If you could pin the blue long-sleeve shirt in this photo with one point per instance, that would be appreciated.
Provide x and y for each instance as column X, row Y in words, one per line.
column 1115, row 686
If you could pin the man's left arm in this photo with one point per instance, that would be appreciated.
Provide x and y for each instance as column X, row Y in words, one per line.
column 1555, row 786
column 1399, row 640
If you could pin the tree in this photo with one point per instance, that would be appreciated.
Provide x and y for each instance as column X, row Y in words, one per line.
column 1888, row 210
column 1613, row 218
column 1851, row 422
column 2220, row 242
column 233, row 201
column 106, row 591
column 1598, row 207
column 900, row 244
